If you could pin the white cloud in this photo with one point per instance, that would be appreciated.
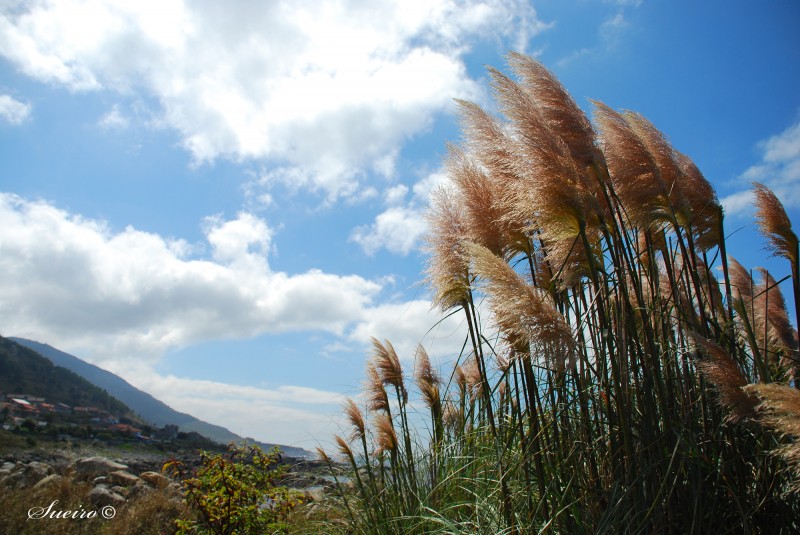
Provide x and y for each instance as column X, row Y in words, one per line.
column 330, row 88
column 397, row 230
column 114, row 119
column 122, row 299
column 779, row 169
column 75, row 283
column 408, row 324
column 128, row 297
column 738, row 203
column 13, row 111
column 400, row 226
column 289, row 414
column 611, row 28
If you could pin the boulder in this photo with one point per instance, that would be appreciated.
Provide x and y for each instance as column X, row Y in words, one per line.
column 13, row 480
column 36, row 471
column 102, row 496
column 52, row 479
column 25, row 475
column 155, row 479
column 122, row 478
column 91, row 467
column 139, row 489
column 7, row 468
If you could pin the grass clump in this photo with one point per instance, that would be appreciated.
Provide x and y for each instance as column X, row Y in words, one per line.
column 609, row 382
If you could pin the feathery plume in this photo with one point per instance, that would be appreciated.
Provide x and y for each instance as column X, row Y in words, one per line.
column 388, row 365
column 692, row 198
column 553, row 193
column 453, row 417
column 774, row 223
column 633, row 172
column 523, row 313
column 344, row 448
column 661, row 152
column 427, row 380
column 780, row 411
column 721, row 370
column 485, row 138
column 356, row 418
column 377, row 398
column 484, row 222
column 323, row 456
column 704, row 207
column 780, row 405
column 488, row 142
column 557, row 107
column 781, row 334
column 446, row 272
column 750, row 303
column 541, row 158
column 386, row 437
column 469, row 379
column 741, row 281
column 504, row 359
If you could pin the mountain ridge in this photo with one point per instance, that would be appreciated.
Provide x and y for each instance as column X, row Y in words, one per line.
column 23, row 371
column 145, row 405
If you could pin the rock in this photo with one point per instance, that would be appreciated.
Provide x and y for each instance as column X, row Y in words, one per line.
column 122, row 478
column 25, row 475
column 138, row 489
column 91, row 467
column 36, row 471
column 157, row 480
column 13, row 480
column 102, row 495
column 52, row 479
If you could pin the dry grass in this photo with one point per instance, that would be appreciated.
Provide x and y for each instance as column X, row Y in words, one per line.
column 153, row 512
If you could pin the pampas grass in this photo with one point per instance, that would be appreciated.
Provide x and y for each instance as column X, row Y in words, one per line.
column 615, row 385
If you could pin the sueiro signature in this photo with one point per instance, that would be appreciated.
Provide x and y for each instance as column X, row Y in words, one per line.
column 38, row 513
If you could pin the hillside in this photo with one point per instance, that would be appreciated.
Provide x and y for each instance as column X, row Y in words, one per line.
column 25, row 371
column 149, row 408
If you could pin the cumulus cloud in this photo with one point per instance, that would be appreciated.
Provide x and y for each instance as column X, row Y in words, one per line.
column 122, row 299
column 13, row 111
column 779, row 169
column 130, row 296
column 289, row 414
column 329, row 89
column 400, row 226
column 114, row 119
column 411, row 323
column 396, row 230
column 72, row 280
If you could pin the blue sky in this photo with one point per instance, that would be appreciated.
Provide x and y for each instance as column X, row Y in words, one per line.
column 223, row 202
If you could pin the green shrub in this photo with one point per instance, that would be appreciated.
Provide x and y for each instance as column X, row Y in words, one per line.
column 236, row 492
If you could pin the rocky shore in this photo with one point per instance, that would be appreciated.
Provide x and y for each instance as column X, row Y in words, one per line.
column 113, row 481
column 118, row 475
